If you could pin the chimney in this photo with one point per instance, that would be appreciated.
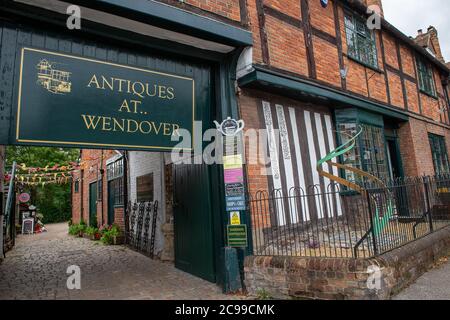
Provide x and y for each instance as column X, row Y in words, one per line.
column 376, row 5
column 420, row 32
column 434, row 43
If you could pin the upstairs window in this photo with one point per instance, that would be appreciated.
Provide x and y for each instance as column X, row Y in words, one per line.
column 439, row 153
column 360, row 41
column 426, row 80
column 114, row 174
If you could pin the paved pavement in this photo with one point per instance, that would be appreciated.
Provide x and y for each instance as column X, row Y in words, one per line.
column 433, row 285
column 36, row 269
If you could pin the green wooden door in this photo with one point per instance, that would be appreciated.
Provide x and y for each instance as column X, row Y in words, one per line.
column 194, row 249
column 93, row 204
column 111, row 202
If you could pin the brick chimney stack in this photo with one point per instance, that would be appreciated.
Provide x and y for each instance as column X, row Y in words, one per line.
column 434, row 39
column 377, row 3
column 430, row 40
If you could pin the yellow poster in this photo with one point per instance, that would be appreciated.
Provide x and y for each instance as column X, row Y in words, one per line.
column 235, row 218
column 232, row 162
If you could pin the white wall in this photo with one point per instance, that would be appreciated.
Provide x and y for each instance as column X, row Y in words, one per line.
column 142, row 163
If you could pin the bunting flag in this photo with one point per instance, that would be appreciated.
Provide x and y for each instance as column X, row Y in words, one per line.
column 42, row 182
column 37, row 173
column 71, row 166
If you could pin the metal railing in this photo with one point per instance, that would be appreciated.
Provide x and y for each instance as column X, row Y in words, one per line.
column 140, row 226
column 333, row 222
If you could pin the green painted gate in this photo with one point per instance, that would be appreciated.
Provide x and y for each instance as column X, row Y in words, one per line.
column 194, row 249
column 93, row 204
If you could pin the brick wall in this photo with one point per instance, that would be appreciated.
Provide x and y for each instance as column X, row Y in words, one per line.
column 279, row 32
column 90, row 171
column 339, row 278
column 226, row 10
column 415, row 147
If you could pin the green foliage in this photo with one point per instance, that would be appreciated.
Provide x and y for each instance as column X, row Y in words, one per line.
column 108, row 233
column 53, row 201
column 77, row 229
column 73, row 229
column 90, row 231
column 262, row 294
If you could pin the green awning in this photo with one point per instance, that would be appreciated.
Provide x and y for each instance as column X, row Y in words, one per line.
column 293, row 87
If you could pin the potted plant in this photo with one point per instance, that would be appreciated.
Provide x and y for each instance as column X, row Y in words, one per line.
column 116, row 235
column 73, row 229
column 97, row 235
column 111, row 235
column 90, row 232
column 81, row 229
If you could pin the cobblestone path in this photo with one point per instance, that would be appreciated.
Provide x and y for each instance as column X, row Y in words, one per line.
column 36, row 269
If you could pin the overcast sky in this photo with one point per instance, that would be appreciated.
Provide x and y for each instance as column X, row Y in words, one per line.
column 411, row 15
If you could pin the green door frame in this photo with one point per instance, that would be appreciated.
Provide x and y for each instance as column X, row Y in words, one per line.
column 394, row 139
column 223, row 66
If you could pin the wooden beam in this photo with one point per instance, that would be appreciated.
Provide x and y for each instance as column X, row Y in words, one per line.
column 386, row 78
column 402, row 77
column 262, row 31
column 337, row 28
column 308, row 39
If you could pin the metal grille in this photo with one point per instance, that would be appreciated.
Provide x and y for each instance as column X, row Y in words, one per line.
column 140, row 224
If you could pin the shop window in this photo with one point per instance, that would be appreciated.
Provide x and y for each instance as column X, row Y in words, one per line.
column 114, row 174
column 361, row 42
column 117, row 188
column 426, row 80
column 369, row 153
column 439, row 153
column 115, row 169
column 144, row 188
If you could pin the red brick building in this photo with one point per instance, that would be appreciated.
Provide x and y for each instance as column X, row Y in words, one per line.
column 302, row 58
column 91, row 201
column 313, row 73
column 300, row 44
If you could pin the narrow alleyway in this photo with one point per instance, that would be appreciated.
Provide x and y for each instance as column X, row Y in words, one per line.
column 36, row 269
column 433, row 285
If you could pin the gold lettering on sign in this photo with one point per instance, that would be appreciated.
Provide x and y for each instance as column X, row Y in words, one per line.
column 138, row 91
column 136, row 88
column 103, row 123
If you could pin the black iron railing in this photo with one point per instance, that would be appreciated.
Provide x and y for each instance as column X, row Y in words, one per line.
column 333, row 222
column 140, row 226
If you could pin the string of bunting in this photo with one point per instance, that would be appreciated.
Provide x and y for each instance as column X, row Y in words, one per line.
column 70, row 167
column 50, row 168
column 41, row 181
column 48, row 174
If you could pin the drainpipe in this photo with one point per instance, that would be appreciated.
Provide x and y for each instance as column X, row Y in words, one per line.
column 103, row 186
column 82, row 195
column 125, row 179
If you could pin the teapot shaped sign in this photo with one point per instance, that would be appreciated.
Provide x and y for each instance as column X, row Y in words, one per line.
column 230, row 127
